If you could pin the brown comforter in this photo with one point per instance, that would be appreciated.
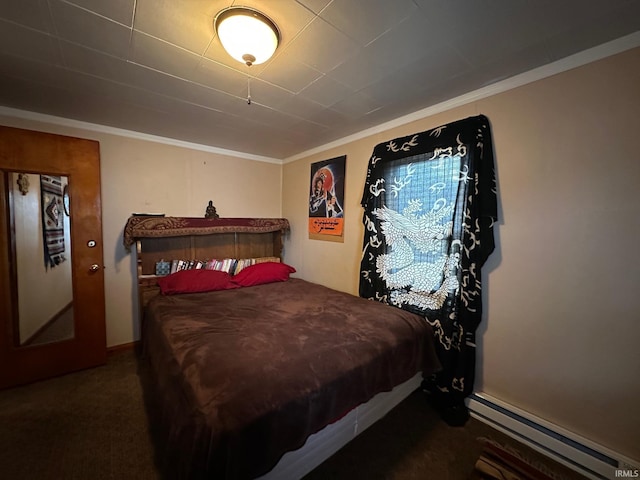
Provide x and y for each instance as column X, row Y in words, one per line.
column 240, row 377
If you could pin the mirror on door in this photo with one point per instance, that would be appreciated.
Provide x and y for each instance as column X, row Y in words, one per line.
column 40, row 226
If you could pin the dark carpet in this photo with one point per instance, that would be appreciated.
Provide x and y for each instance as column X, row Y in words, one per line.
column 92, row 425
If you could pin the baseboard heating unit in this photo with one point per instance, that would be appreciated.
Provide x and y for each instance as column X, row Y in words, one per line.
column 584, row 456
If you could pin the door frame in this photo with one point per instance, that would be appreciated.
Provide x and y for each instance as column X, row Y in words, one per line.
column 29, row 151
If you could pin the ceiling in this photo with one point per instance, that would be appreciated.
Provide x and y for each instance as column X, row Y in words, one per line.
column 156, row 66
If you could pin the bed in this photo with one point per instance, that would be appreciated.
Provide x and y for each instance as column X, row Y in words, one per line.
column 265, row 377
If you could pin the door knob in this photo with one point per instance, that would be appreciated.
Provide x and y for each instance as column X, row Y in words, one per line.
column 94, row 268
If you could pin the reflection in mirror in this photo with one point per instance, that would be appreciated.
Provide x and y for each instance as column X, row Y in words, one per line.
column 40, row 215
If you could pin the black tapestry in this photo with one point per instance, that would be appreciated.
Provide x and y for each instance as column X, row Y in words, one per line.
column 429, row 208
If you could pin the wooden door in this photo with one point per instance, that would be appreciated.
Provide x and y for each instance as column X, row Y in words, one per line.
column 37, row 155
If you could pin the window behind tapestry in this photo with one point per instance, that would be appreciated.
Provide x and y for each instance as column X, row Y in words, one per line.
column 419, row 216
column 429, row 207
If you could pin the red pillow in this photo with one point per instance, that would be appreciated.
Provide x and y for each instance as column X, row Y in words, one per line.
column 197, row 280
column 266, row 272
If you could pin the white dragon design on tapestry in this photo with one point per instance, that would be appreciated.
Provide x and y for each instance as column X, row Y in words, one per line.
column 410, row 232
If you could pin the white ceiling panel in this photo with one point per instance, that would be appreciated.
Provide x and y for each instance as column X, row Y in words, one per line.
column 316, row 6
column 302, row 108
column 163, row 56
column 363, row 69
column 220, row 77
column 92, row 62
column 21, row 42
column 290, row 16
column 30, row 13
column 286, row 71
column 188, row 25
column 365, row 20
column 120, row 11
column 86, row 28
column 326, row 117
column 322, row 46
column 157, row 67
column 357, row 105
column 326, row 91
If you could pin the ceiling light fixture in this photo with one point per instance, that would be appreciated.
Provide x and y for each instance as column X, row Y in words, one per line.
column 247, row 35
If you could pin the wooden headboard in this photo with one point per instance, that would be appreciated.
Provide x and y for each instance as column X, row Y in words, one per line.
column 168, row 238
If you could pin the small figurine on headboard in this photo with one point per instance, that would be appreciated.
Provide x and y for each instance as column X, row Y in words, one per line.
column 211, row 211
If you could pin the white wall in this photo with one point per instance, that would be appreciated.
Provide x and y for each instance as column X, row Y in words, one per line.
column 562, row 304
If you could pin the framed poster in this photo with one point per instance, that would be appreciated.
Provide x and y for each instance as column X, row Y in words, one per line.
column 326, row 199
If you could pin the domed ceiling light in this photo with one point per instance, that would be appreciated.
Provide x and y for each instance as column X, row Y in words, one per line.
column 247, row 35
